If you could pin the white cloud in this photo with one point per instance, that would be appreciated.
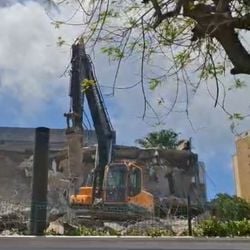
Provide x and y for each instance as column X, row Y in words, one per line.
column 30, row 60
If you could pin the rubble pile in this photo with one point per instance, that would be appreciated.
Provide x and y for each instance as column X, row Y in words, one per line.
column 14, row 218
column 157, row 165
column 150, row 227
column 15, row 186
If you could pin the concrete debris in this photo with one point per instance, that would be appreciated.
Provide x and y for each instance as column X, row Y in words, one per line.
column 166, row 204
column 6, row 232
column 179, row 226
column 114, row 226
column 88, row 222
column 27, row 166
column 16, row 218
column 184, row 145
column 17, row 223
column 55, row 214
column 148, row 225
column 13, row 221
column 59, row 227
column 56, row 228
column 9, row 232
column 15, row 186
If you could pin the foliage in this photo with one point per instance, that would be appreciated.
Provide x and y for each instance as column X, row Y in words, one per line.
column 166, row 139
column 214, row 227
column 152, row 232
column 60, row 41
column 226, row 208
column 84, row 231
column 86, row 84
column 197, row 41
column 230, row 217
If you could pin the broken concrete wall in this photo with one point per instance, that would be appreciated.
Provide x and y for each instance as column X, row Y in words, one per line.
column 157, row 165
column 16, row 177
column 14, row 183
column 16, row 162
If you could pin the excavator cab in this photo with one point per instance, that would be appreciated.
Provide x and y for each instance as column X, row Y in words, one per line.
column 121, row 182
column 122, row 193
column 123, row 188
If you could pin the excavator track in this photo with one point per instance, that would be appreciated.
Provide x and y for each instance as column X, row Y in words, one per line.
column 121, row 212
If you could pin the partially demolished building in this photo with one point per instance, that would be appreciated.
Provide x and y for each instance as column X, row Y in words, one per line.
column 170, row 175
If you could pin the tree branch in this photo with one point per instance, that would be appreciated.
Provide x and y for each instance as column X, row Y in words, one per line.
column 163, row 16
column 238, row 55
column 156, row 7
column 222, row 28
column 242, row 23
column 215, row 21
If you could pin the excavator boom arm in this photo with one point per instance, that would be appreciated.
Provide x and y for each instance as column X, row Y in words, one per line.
column 104, row 131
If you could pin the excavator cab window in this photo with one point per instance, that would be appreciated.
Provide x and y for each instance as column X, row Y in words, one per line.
column 134, row 182
column 115, row 187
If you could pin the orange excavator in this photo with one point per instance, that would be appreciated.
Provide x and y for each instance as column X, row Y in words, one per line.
column 114, row 189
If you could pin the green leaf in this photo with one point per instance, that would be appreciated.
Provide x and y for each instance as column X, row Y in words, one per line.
column 237, row 84
column 60, row 41
column 182, row 58
column 86, row 84
column 114, row 53
column 236, row 116
column 153, row 83
column 210, row 71
column 166, row 139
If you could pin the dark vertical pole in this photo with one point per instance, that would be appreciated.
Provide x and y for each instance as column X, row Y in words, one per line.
column 189, row 216
column 40, row 182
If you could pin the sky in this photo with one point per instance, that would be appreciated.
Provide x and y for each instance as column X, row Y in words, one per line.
column 34, row 91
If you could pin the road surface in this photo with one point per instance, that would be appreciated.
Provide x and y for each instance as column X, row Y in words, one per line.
column 56, row 243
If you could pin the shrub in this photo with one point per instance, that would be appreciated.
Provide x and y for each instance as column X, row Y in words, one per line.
column 84, row 231
column 225, row 207
column 214, row 227
column 153, row 232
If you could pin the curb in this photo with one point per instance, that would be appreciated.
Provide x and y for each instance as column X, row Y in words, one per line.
column 133, row 238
